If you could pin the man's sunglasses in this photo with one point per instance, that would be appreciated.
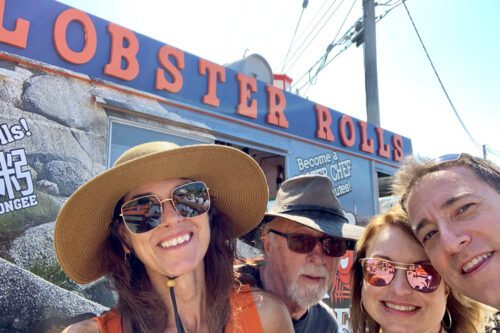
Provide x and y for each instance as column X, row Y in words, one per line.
column 421, row 277
column 301, row 243
column 144, row 213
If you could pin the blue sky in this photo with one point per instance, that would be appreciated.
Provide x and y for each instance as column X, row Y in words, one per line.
column 460, row 36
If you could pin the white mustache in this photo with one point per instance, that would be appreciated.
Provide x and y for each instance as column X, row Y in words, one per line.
column 313, row 270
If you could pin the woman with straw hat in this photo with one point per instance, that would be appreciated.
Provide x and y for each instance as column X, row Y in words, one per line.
column 169, row 257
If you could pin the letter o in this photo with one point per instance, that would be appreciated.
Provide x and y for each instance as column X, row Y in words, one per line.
column 59, row 36
column 346, row 120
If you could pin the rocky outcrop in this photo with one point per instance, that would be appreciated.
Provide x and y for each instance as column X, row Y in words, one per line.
column 34, row 251
column 27, row 301
column 35, row 245
column 60, row 130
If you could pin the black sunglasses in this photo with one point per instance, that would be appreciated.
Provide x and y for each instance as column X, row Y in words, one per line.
column 144, row 213
column 302, row 243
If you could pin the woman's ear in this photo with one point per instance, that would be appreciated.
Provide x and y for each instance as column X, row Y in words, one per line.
column 125, row 238
column 447, row 289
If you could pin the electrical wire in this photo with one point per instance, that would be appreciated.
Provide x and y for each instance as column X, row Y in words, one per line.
column 236, row 22
column 345, row 40
column 439, row 79
column 491, row 150
column 314, row 19
column 312, row 39
column 397, row 4
column 318, row 22
column 333, row 43
column 304, row 6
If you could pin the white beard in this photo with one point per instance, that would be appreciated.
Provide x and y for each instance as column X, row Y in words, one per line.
column 305, row 296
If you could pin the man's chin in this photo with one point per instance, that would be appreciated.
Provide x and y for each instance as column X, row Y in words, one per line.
column 306, row 295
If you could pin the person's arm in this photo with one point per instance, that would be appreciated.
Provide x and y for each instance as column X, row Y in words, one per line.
column 273, row 313
column 86, row 326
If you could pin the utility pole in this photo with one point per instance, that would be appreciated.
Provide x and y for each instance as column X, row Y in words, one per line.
column 370, row 57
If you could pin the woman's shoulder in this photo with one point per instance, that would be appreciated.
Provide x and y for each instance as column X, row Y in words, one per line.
column 86, row 326
column 273, row 313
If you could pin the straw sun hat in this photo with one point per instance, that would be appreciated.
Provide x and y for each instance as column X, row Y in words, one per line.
column 234, row 179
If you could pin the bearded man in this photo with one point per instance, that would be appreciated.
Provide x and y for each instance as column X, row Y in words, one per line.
column 304, row 234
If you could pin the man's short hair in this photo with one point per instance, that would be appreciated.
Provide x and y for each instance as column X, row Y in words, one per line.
column 414, row 169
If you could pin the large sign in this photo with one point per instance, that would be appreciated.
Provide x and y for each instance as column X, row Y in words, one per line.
column 53, row 33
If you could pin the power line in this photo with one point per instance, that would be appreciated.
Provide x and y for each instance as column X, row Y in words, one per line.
column 314, row 37
column 347, row 39
column 304, row 6
column 439, row 79
column 314, row 18
column 333, row 43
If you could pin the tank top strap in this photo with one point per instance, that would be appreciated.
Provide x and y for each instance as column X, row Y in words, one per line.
column 244, row 316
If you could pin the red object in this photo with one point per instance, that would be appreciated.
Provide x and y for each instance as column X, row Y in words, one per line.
column 283, row 81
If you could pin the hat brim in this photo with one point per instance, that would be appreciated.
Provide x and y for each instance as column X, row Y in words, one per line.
column 335, row 227
column 234, row 179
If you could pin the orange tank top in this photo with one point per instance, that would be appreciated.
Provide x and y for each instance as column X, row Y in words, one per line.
column 244, row 317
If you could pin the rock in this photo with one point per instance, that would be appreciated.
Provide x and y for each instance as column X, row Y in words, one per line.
column 11, row 85
column 69, row 173
column 65, row 100
column 47, row 187
column 26, row 300
column 34, row 251
column 47, row 140
column 35, row 245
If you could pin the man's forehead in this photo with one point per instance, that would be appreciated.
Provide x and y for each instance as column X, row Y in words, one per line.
column 441, row 188
column 456, row 178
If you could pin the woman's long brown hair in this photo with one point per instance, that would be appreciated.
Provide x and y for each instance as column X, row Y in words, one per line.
column 140, row 307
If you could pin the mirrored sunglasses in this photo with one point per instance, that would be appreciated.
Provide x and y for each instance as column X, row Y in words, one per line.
column 302, row 243
column 144, row 213
column 421, row 277
column 446, row 158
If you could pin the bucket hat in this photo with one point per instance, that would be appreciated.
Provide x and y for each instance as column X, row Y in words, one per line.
column 311, row 201
column 235, row 180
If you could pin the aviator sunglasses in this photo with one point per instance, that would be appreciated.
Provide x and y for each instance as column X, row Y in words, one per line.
column 421, row 277
column 302, row 243
column 144, row 213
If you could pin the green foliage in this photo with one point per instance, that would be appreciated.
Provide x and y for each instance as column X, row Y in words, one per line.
column 15, row 222
column 53, row 274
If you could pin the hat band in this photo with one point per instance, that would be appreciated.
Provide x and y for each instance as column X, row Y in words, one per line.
column 311, row 211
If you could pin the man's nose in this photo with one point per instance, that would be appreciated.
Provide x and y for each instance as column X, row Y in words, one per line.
column 317, row 256
column 453, row 240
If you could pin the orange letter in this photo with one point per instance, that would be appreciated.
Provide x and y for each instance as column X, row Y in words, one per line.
column 90, row 36
column 19, row 36
column 323, row 121
column 346, row 120
column 397, row 154
column 214, row 71
column 277, row 104
column 383, row 150
column 247, row 85
column 161, row 82
column 118, row 52
column 366, row 145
